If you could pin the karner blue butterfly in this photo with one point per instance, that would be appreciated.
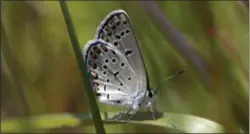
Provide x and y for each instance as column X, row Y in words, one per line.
column 116, row 67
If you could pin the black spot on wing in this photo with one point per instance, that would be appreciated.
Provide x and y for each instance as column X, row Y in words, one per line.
column 118, row 37
column 113, row 27
column 116, row 43
column 94, row 57
column 128, row 52
column 95, row 84
column 94, row 65
column 104, row 66
column 122, row 64
column 98, row 94
column 115, row 74
column 127, row 31
column 122, row 33
column 104, row 88
column 114, row 53
column 91, row 53
column 104, row 48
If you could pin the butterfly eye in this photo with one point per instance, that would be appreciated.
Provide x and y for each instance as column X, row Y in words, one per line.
column 107, row 80
column 129, row 78
column 113, row 60
column 107, row 61
column 150, row 94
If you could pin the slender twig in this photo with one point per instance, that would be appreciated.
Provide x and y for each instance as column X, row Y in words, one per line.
column 180, row 44
column 79, row 56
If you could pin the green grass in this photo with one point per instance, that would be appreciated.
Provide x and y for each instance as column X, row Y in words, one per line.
column 48, row 74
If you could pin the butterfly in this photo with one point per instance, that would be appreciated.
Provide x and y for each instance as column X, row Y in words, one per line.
column 115, row 65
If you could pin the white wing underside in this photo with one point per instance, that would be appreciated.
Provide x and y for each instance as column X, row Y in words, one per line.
column 120, row 68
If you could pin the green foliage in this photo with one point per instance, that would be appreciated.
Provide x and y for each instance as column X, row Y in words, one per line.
column 40, row 74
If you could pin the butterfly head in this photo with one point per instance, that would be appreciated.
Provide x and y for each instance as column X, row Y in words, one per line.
column 151, row 93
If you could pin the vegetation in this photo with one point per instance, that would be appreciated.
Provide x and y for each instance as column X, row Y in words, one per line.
column 40, row 74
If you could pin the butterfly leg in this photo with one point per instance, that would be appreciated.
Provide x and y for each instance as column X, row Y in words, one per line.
column 150, row 111
column 130, row 117
column 155, row 110
column 133, row 113
column 120, row 114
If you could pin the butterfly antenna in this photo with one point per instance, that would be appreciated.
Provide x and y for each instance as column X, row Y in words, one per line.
column 170, row 77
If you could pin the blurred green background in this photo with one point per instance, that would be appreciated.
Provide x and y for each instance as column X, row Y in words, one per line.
column 39, row 72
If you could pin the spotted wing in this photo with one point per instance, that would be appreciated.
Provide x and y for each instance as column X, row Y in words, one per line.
column 111, row 75
column 116, row 29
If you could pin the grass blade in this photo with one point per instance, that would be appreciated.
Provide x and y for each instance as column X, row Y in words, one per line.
column 79, row 57
column 178, row 40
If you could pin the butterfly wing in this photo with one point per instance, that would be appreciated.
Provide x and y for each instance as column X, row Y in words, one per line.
column 110, row 72
column 116, row 29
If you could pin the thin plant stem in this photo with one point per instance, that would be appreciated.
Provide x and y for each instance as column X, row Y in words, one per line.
column 79, row 57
